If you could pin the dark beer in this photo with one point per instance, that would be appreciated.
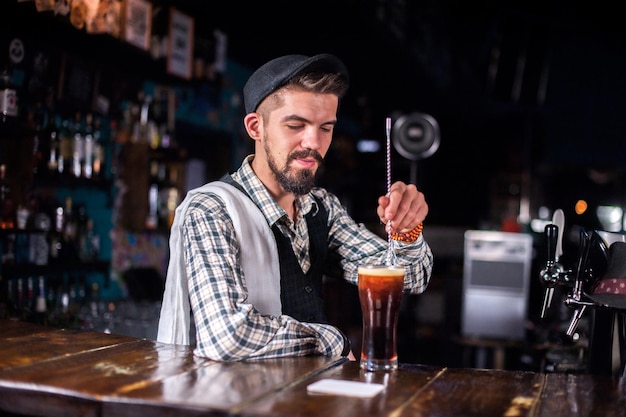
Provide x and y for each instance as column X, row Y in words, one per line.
column 380, row 294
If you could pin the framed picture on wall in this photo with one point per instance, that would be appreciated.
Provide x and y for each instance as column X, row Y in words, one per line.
column 78, row 82
column 180, row 48
column 138, row 23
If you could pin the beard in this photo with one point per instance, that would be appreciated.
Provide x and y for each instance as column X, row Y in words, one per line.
column 297, row 182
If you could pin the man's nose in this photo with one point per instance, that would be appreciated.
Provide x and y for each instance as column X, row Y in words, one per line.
column 312, row 139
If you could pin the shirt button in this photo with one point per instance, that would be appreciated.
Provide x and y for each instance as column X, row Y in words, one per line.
column 308, row 288
column 311, row 318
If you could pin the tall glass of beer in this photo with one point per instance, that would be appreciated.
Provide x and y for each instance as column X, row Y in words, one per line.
column 380, row 294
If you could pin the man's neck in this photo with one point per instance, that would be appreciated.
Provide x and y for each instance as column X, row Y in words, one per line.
column 283, row 198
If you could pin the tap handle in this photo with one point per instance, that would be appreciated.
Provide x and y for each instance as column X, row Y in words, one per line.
column 558, row 219
column 550, row 273
column 551, row 233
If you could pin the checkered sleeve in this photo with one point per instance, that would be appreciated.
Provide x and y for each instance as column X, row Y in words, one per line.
column 227, row 327
column 355, row 244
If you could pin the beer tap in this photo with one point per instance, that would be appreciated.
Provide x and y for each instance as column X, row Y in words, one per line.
column 575, row 298
column 553, row 272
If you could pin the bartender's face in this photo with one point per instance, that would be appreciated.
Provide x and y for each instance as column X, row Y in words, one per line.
column 296, row 137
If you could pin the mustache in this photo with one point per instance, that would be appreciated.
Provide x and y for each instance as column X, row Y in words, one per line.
column 311, row 153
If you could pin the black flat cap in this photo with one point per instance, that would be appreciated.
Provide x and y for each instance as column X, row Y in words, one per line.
column 273, row 74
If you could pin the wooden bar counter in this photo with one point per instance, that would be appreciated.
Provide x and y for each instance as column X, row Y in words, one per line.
column 53, row 372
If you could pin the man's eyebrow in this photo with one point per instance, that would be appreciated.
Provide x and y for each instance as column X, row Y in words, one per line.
column 296, row 118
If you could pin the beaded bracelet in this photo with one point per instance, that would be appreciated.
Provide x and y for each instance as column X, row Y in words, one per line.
column 409, row 237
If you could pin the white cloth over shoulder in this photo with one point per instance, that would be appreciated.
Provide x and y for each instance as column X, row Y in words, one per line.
column 259, row 260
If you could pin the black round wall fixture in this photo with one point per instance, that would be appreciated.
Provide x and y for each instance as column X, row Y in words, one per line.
column 415, row 136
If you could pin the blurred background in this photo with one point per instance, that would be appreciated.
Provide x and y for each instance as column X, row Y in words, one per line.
column 528, row 95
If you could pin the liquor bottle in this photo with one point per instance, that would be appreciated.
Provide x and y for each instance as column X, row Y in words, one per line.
column 40, row 315
column 70, row 230
column 98, row 148
column 89, row 147
column 39, row 246
column 166, row 136
column 7, row 205
column 8, row 99
column 47, row 135
column 8, row 249
column 29, row 303
column 145, row 120
column 57, row 241
column 152, row 220
column 81, row 291
column 38, row 121
column 51, row 295
column 7, row 218
column 53, row 139
column 80, row 224
column 67, row 148
column 22, row 248
column 19, row 297
column 89, row 243
column 62, row 313
column 78, row 147
column 11, row 297
column 170, row 197
column 67, row 312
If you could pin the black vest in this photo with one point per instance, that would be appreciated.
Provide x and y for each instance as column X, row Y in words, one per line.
column 301, row 294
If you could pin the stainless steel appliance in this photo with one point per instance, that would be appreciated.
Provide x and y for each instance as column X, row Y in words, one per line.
column 496, row 281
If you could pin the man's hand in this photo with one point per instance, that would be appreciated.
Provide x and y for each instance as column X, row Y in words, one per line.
column 405, row 206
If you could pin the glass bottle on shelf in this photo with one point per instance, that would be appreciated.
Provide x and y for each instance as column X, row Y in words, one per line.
column 89, row 147
column 41, row 308
column 38, row 121
column 152, row 220
column 98, row 148
column 7, row 205
column 170, row 197
column 78, row 147
column 89, row 243
column 8, row 99
column 52, row 284
column 57, row 241
column 64, row 161
column 145, row 121
column 29, row 302
column 19, row 297
column 39, row 246
column 63, row 305
column 70, row 230
column 46, row 130
column 53, row 139
column 11, row 299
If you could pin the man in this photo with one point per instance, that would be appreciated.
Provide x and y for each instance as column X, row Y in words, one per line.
column 248, row 252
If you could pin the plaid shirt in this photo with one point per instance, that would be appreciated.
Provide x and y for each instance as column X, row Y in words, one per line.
column 229, row 329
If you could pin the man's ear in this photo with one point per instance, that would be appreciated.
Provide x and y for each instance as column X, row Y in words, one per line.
column 252, row 123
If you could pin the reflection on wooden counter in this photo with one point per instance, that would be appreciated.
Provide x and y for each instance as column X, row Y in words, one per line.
column 52, row 372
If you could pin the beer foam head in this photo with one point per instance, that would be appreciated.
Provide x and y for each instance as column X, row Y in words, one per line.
column 381, row 270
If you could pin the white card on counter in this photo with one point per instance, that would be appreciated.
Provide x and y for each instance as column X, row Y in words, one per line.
column 349, row 388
